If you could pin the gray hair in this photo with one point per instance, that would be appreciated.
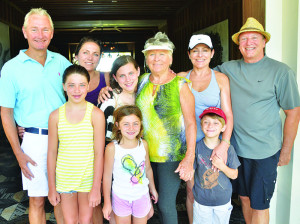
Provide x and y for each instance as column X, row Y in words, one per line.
column 37, row 11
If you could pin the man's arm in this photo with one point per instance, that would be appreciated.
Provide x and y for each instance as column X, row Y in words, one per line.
column 289, row 134
column 9, row 125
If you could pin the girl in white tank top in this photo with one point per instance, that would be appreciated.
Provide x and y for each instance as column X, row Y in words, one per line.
column 127, row 163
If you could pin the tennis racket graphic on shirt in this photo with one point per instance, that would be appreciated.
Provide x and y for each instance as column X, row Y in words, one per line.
column 209, row 178
column 136, row 172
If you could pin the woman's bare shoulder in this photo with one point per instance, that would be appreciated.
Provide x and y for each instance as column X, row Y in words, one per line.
column 221, row 76
column 222, row 80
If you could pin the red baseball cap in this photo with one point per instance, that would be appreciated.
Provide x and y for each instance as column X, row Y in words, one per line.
column 213, row 110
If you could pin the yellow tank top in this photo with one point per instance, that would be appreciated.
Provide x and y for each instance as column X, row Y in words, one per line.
column 75, row 159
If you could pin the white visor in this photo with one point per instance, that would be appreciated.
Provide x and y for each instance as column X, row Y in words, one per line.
column 157, row 47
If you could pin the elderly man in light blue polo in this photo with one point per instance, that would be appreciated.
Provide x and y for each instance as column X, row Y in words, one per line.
column 30, row 89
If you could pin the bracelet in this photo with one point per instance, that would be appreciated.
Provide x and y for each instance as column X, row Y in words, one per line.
column 225, row 140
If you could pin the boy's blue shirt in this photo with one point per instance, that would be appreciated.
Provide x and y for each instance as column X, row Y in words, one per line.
column 212, row 188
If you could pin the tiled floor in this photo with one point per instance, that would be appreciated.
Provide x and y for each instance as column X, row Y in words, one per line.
column 14, row 201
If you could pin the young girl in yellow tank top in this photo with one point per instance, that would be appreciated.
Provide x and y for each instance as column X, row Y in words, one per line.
column 75, row 150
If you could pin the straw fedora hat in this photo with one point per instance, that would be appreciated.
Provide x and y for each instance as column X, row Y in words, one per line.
column 251, row 25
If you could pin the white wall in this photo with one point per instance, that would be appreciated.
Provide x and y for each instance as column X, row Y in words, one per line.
column 282, row 22
column 295, row 200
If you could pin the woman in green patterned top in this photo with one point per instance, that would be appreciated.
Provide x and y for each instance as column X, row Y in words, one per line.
column 168, row 109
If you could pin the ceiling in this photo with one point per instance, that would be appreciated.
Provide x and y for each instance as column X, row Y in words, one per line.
column 117, row 15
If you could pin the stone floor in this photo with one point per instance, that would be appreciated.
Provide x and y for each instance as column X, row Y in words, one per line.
column 14, row 201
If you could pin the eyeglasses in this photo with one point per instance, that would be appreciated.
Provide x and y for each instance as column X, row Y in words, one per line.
column 152, row 40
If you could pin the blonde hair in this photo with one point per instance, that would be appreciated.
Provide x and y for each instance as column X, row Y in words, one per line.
column 160, row 39
column 37, row 11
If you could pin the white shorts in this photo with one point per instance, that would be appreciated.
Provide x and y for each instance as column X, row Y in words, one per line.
column 35, row 146
column 211, row 214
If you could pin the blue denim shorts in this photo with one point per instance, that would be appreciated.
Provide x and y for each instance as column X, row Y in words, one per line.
column 256, row 180
column 69, row 192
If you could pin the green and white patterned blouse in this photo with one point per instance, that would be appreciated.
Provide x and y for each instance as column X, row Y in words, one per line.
column 163, row 121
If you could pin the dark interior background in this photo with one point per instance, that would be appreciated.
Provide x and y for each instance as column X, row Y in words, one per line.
column 182, row 18
column 178, row 18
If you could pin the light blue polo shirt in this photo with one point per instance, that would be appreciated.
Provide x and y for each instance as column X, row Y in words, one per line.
column 33, row 90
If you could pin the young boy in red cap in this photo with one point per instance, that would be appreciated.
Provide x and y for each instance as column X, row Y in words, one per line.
column 212, row 189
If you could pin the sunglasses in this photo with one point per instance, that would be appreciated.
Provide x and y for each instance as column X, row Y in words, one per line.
column 152, row 40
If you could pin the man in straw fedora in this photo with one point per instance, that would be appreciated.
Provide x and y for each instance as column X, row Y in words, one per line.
column 260, row 86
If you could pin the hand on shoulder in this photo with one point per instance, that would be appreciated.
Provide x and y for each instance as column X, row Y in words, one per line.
column 104, row 94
